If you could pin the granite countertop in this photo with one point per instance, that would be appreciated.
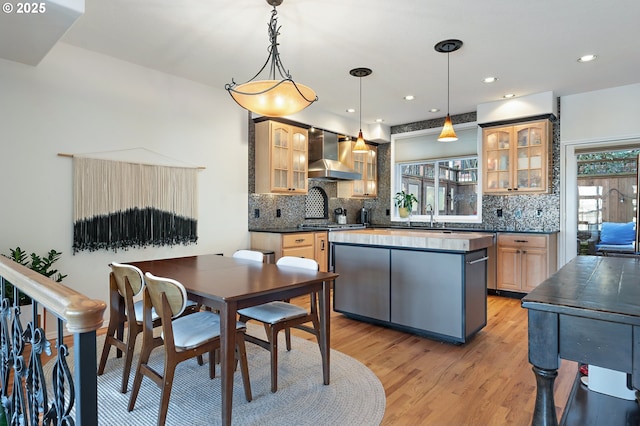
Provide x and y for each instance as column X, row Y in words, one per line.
column 419, row 239
column 292, row 229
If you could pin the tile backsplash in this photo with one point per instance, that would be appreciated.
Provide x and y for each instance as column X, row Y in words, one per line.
column 519, row 212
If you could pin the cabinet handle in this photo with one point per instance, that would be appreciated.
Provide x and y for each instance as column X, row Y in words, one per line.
column 521, row 241
column 482, row 259
column 300, row 240
column 322, row 241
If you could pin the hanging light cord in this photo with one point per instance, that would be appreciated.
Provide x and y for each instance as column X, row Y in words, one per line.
column 360, row 109
column 448, row 76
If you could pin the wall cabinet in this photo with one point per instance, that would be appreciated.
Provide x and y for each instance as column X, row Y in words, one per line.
column 364, row 163
column 281, row 158
column 517, row 158
column 525, row 260
column 312, row 245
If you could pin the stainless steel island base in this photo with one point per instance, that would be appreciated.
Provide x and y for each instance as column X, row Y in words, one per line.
column 437, row 294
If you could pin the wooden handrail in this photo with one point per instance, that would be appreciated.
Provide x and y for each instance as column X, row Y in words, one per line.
column 80, row 313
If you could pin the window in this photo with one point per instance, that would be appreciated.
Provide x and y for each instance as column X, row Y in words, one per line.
column 442, row 176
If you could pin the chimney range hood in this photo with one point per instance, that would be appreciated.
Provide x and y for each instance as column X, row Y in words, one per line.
column 323, row 158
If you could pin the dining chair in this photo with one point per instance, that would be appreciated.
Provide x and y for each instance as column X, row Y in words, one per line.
column 257, row 256
column 183, row 338
column 126, row 283
column 282, row 315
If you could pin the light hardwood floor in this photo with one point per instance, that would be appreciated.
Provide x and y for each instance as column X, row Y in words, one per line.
column 487, row 381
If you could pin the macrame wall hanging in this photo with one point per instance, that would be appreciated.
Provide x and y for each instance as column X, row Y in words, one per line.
column 121, row 204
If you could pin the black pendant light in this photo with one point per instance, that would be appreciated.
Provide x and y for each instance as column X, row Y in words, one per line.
column 448, row 46
column 360, row 146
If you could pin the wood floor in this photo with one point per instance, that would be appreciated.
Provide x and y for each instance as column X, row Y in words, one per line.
column 487, row 381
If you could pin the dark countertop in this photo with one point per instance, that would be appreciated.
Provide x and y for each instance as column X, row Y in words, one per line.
column 416, row 228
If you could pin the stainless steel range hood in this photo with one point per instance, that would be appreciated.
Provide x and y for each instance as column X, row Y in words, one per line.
column 323, row 158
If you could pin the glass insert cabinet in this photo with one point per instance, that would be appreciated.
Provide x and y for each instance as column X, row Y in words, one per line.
column 516, row 158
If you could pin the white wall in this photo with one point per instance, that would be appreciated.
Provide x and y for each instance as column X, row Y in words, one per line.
column 76, row 101
column 603, row 119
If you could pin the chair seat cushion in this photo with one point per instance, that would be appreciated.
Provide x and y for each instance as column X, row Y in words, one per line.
column 139, row 310
column 192, row 330
column 624, row 248
column 273, row 312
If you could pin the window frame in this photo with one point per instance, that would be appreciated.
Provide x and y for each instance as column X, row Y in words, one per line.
column 396, row 177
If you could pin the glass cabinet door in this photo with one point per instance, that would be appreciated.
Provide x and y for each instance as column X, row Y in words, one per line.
column 530, row 157
column 280, row 157
column 299, row 160
column 371, row 173
column 497, row 149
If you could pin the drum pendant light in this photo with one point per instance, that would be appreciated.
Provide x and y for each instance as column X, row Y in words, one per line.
column 272, row 97
column 360, row 146
column 448, row 46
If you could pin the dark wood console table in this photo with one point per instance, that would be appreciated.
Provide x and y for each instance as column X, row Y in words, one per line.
column 589, row 312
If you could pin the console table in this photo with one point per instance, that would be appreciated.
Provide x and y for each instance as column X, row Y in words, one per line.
column 589, row 312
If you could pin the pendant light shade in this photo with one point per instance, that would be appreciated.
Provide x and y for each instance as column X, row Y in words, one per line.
column 448, row 134
column 272, row 97
column 360, row 146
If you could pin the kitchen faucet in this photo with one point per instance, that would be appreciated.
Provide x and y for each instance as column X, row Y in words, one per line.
column 430, row 210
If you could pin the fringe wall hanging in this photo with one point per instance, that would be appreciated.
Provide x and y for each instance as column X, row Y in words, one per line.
column 121, row 204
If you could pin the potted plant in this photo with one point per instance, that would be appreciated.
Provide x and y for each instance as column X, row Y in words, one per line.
column 405, row 201
column 40, row 264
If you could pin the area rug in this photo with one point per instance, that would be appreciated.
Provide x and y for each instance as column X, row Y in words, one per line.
column 355, row 395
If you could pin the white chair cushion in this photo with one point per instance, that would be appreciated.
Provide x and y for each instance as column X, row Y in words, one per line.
column 273, row 312
column 192, row 330
column 139, row 310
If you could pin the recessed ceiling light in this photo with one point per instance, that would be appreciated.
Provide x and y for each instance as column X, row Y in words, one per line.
column 409, row 98
column 490, row 79
column 509, row 95
column 351, row 110
column 434, row 110
column 379, row 120
column 587, row 58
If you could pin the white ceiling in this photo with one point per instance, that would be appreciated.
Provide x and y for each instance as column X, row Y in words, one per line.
column 531, row 46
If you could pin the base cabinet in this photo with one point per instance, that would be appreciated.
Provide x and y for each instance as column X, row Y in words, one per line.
column 438, row 294
column 525, row 260
column 364, row 286
column 312, row 245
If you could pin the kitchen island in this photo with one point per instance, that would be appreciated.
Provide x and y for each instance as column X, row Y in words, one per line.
column 428, row 282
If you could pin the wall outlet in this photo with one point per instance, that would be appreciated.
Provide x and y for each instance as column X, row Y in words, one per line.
column 388, row 212
column 278, row 213
column 256, row 213
column 539, row 212
column 499, row 212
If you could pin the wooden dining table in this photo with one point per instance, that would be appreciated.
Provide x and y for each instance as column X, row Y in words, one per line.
column 227, row 284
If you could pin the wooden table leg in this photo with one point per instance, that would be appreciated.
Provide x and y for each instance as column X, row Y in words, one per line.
column 227, row 358
column 544, row 412
column 325, row 329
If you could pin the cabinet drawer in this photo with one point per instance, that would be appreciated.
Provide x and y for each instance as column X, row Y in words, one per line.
column 298, row 240
column 307, row 252
column 522, row 240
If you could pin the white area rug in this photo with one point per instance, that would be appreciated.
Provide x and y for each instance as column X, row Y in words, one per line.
column 355, row 396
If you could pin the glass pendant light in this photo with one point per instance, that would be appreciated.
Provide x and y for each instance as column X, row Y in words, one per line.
column 448, row 46
column 272, row 97
column 360, row 146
